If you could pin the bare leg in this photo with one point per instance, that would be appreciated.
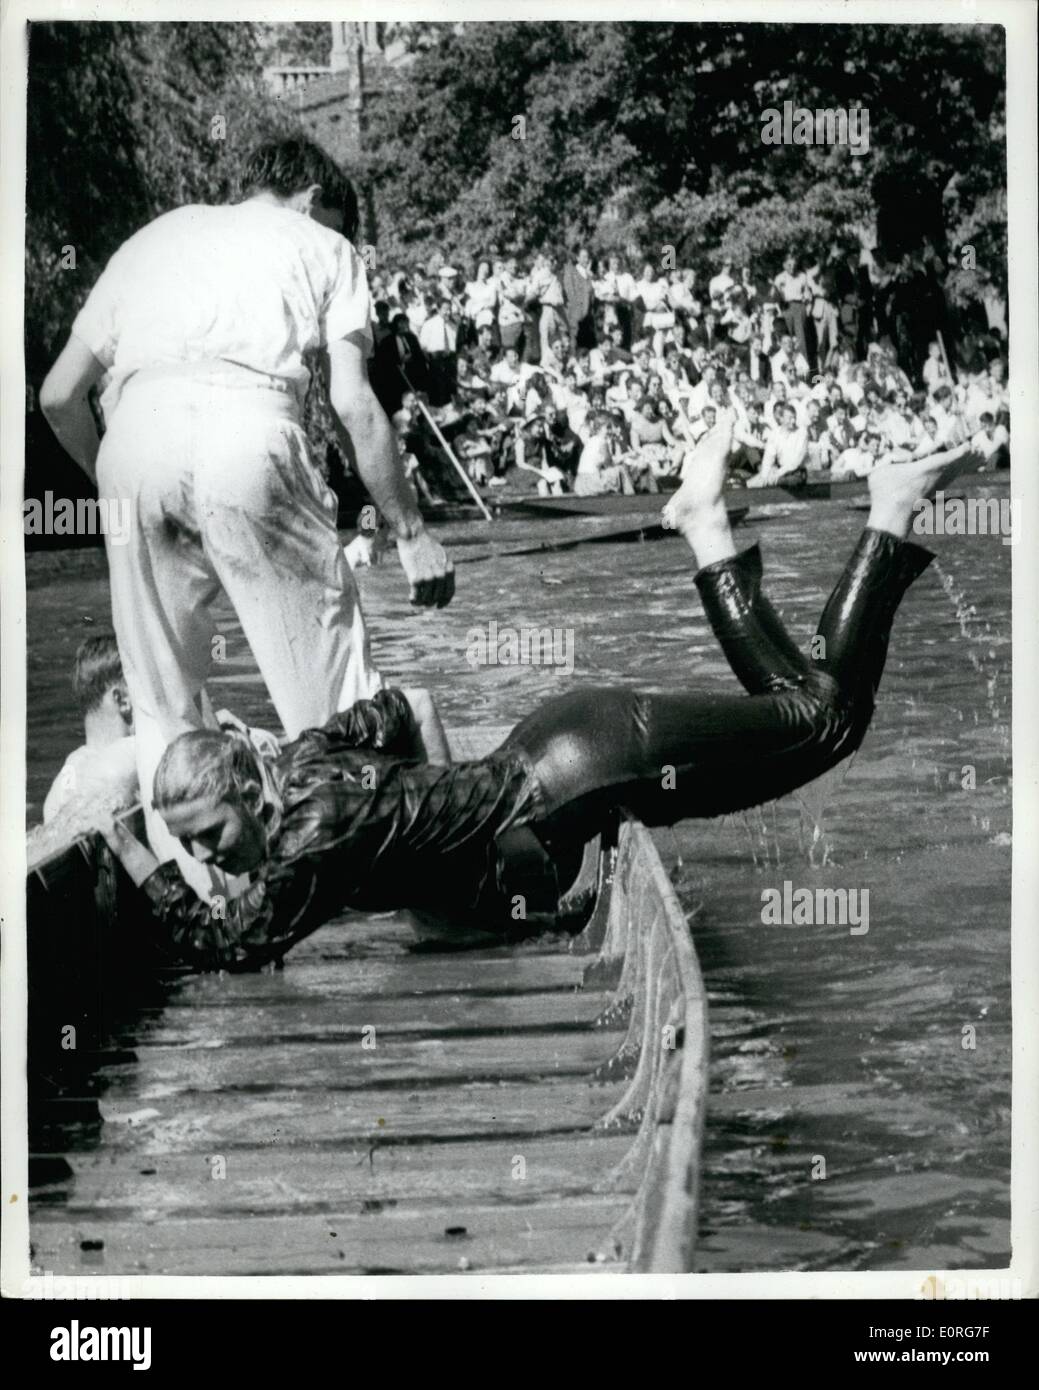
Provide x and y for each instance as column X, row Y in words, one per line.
column 430, row 727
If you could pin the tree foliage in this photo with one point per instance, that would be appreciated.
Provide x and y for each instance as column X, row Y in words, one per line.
column 638, row 134
column 126, row 121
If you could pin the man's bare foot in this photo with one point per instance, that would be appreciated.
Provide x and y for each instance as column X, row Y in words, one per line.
column 698, row 508
column 704, row 483
column 896, row 488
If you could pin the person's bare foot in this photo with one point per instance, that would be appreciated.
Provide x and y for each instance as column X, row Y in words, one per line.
column 896, row 488
column 698, row 508
column 704, row 483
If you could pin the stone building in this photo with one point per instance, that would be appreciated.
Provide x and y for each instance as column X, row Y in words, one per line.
column 331, row 100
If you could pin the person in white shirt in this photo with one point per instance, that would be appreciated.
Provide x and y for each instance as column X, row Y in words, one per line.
column 987, row 393
column 787, row 364
column 992, row 442
column 681, row 296
column 104, row 767
column 508, row 370
column 597, row 473
column 947, row 416
column 616, row 289
column 481, row 293
column 840, row 433
column 934, row 370
column 785, row 451
column 200, row 324
column 512, row 294
column 702, row 425
column 860, row 460
column 793, row 292
column 545, row 286
column 719, row 285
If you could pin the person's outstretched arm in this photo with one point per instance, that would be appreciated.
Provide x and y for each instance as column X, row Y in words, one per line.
column 370, row 444
column 65, row 404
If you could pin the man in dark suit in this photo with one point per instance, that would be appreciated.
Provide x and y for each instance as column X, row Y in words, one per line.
column 398, row 365
column 579, row 299
column 709, row 333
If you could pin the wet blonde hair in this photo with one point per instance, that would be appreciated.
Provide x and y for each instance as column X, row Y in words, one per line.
column 212, row 765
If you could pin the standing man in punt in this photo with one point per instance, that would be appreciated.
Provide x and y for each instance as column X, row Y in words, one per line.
column 199, row 325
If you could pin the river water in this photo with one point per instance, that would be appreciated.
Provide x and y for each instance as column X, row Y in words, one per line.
column 859, row 1110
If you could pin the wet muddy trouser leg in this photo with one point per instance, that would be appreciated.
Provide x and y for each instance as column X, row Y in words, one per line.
column 224, row 500
column 681, row 754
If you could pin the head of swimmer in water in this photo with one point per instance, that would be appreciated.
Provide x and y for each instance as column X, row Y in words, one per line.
column 300, row 175
column 211, row 790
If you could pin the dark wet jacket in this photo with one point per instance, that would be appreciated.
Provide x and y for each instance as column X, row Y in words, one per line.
column 365, row 825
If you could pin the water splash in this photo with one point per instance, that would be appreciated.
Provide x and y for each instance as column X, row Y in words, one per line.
column 812, row 802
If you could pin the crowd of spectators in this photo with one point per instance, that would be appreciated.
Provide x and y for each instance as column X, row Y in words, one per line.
column 578, row 375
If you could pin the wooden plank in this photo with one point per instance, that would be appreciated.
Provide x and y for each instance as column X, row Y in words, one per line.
column 400, row 1239
column 210, row 1122
column 281, row 1020
column 213, row 1066
column 261, row 1179
column 486, row 974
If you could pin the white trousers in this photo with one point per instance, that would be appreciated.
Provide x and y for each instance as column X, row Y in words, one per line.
column 222, row 495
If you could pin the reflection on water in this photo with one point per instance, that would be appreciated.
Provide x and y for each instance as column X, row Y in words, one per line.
column 844, row 1056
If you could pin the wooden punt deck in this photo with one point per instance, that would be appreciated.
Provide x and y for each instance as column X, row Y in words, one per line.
column 388, row 1102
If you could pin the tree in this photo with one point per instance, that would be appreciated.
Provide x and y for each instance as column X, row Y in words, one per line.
column 126, row 121
column 652, row 133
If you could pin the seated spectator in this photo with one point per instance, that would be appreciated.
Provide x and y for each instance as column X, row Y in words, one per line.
column 785, row 451
column 474, row 451
column 652, row 441
column 596, row 471
column 860, row 460
column 104, row 766
column 508, row 370
column 817, row 455
column 613, row 358
column 788, row 364
column 945, row 415
column 748, row 442
column 992, row 441
column 704, row 423
column 840, row 433
column 562, row 447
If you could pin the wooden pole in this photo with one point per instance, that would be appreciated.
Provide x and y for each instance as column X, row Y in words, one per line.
column 449, row 452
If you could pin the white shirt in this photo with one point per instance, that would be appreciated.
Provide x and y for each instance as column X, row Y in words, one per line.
column 857, row 461
column 595, row 456
column 480, row 294
column 437, row 335
column 789, row 366
column 91, row 775
column 784, row 452
column 252, row 283
column 988, row 444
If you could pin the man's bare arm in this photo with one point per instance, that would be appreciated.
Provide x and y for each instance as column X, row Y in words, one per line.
column 371, row 446
column 63, row 400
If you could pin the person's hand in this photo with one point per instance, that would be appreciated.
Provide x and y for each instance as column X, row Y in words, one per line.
column 107, row 827
column 430, row 573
